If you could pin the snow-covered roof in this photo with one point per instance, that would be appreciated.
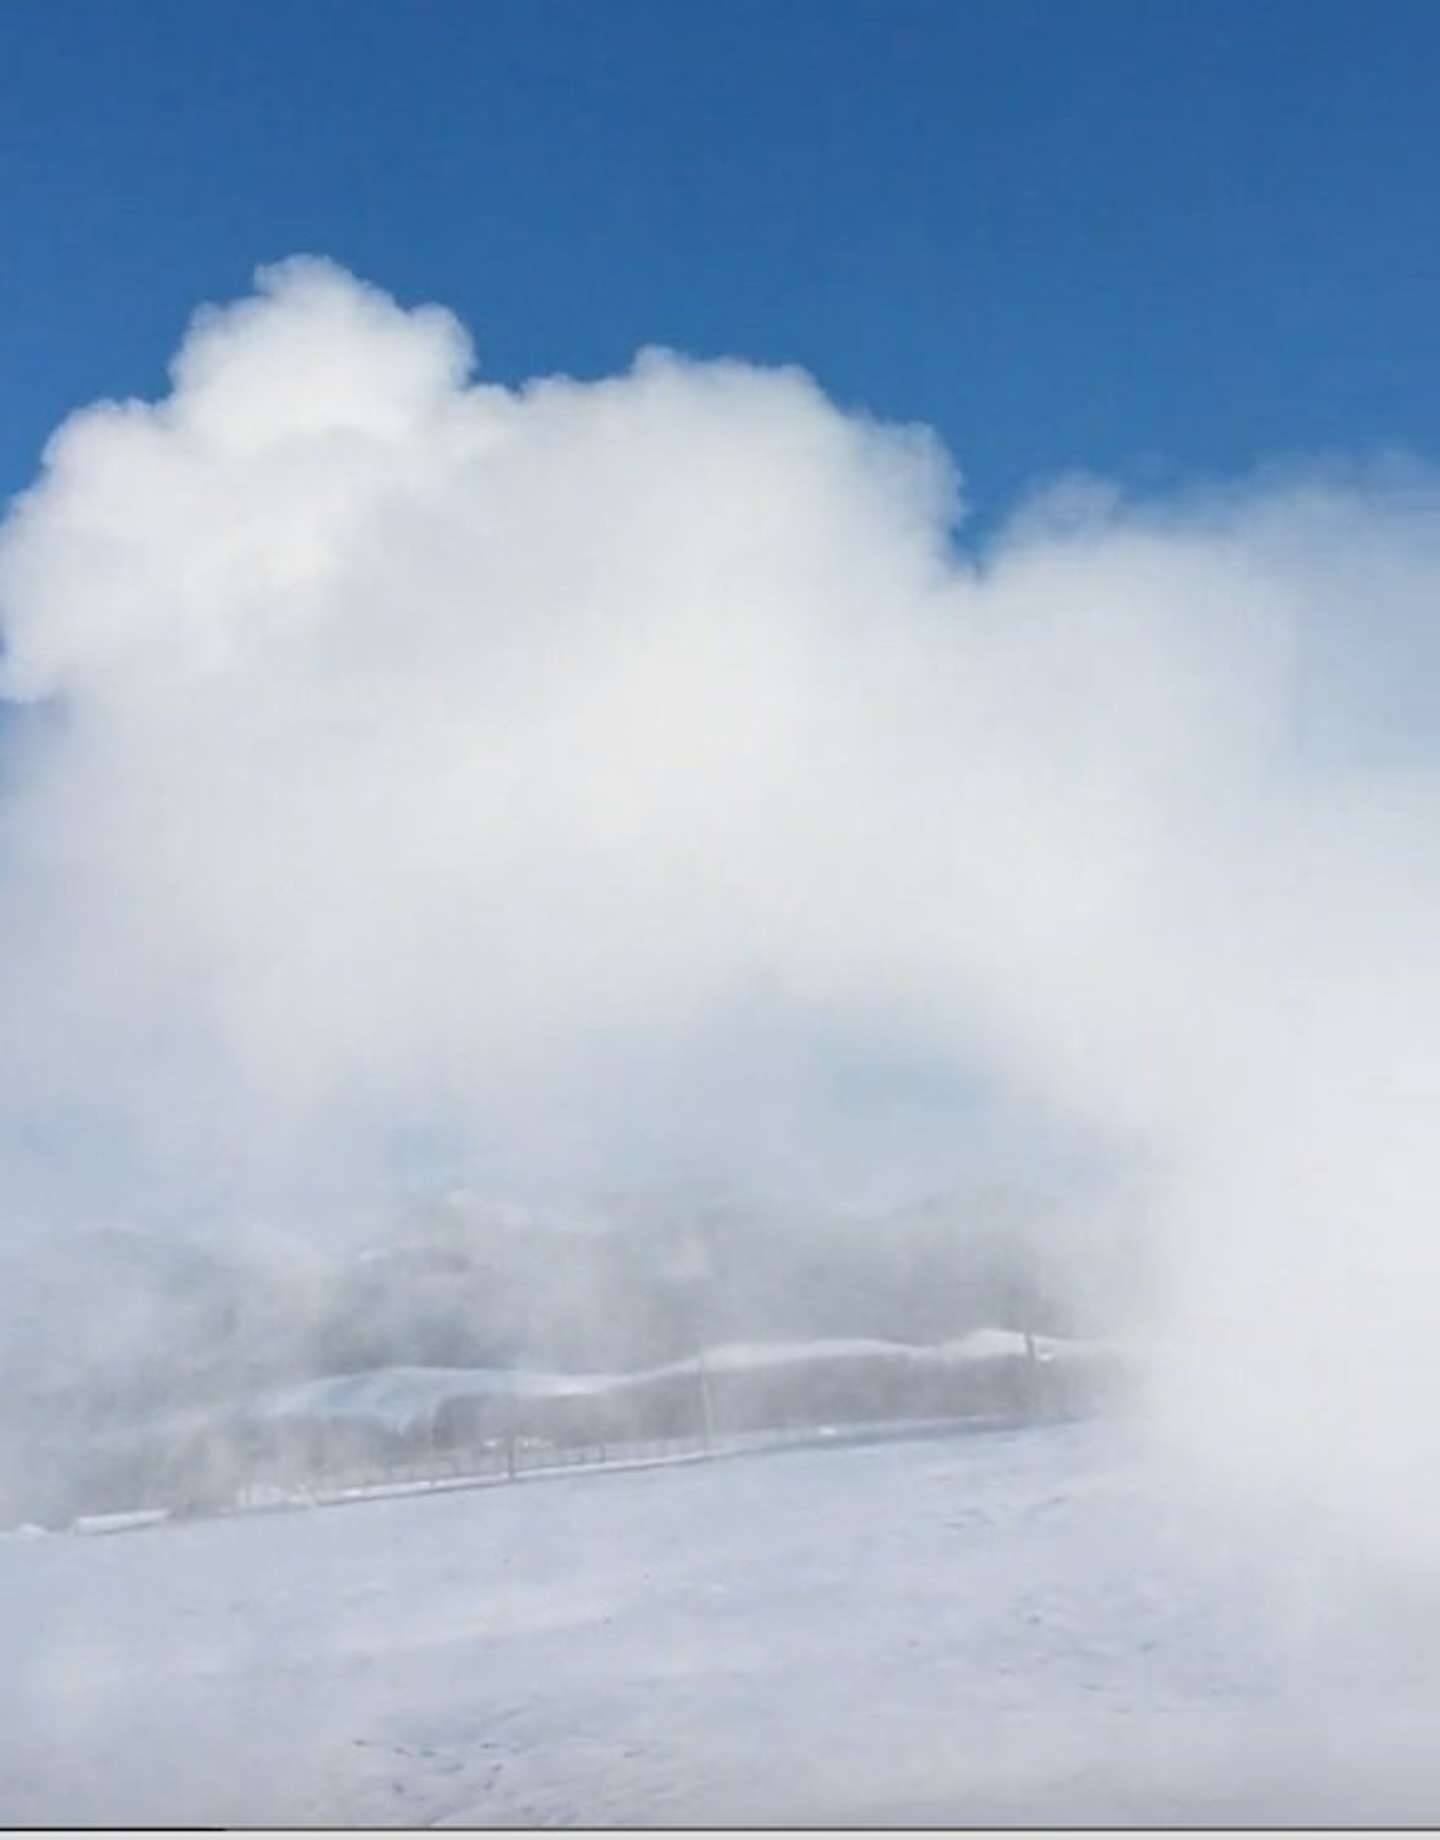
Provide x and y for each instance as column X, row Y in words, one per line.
column 987, row 1345
column 401, row 1398
column 741, row 1355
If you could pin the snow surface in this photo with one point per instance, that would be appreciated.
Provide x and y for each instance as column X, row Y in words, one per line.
column 1007, row 1627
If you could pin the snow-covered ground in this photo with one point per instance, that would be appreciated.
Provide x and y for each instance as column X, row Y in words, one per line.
column 991, row 1628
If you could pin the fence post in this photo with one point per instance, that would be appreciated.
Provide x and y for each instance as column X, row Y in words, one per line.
column 707, row 1405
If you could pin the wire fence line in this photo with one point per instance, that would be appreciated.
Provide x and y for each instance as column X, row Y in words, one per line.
column 365, row 1436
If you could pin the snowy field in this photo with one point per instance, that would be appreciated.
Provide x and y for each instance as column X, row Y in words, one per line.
column 993, row 1628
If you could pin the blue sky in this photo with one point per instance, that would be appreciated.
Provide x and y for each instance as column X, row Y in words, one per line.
column 1153, row 239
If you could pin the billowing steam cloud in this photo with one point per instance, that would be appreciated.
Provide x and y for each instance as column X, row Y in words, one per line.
column 600, row 774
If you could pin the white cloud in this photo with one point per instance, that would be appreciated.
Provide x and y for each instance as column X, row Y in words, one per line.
column 433, row 751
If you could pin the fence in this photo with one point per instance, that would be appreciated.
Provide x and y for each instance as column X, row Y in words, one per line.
column 251, row 1461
